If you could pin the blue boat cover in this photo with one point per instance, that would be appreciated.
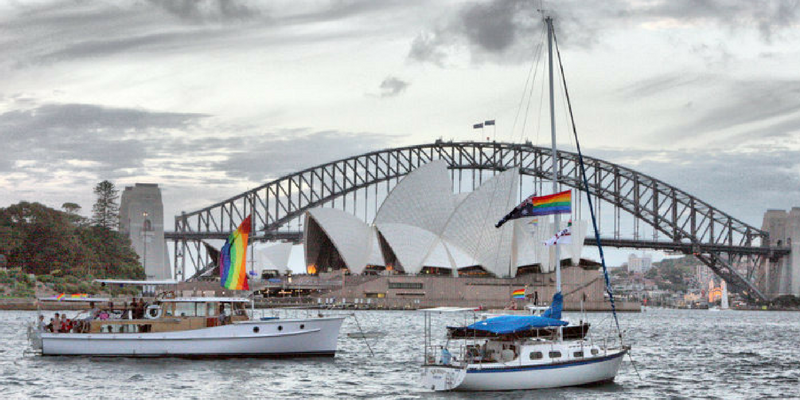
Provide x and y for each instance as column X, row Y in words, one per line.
column 554, row 311
column 514, row 323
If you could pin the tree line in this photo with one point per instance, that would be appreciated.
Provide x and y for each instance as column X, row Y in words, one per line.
column 46, row 241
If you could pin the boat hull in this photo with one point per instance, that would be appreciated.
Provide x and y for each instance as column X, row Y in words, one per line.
column 273, row 338
column 573, row 373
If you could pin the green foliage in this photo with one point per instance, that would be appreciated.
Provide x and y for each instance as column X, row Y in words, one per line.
column 47, row 242
column 46, row 278
column 673, row 273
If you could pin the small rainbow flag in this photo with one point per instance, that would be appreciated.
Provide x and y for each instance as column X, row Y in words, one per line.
column 233, row 259
column 71, row 296
column 518, row 294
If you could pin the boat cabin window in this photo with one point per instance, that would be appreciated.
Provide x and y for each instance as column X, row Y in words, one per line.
column 124, row 328
column 554, row 354
column 595, row 351
column 578, row 354
column 535, row 355
column 185, row 310
column 239, row 308
column 202, row 309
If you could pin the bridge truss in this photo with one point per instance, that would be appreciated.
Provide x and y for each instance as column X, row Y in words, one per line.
column 679, row 221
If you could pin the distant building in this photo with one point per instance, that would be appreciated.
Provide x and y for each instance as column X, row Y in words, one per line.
column 703, row 274
column 639, row 264
column 141, row 218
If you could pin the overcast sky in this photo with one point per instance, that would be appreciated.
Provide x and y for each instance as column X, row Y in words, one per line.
column 210, row 98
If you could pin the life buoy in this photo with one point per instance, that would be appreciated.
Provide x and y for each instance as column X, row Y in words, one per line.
column 153, row 312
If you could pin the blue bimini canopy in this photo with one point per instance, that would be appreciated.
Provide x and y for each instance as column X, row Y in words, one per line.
column 514, row 323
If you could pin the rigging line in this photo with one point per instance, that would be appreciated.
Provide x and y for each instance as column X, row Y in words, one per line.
column 588, row 193
column 533, row 82
column 524, row 90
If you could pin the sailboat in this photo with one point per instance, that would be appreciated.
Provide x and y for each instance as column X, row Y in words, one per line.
column 512, row 352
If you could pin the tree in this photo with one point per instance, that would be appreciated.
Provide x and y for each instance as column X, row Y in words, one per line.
column 105, row 211
column 42, row 240
column 72, row 210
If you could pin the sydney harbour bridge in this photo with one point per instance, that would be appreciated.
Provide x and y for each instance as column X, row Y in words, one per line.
column 636, row 210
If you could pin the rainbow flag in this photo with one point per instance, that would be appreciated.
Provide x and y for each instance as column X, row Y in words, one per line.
column 233, row 259
column 559, row 203
column 71, row 296
column 518, row 294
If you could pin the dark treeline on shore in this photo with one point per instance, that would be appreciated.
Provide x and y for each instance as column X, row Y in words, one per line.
column 44, row 241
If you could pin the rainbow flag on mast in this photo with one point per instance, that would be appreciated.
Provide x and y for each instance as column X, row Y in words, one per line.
column 518, row 294
column 233, row 259
column 533, row 206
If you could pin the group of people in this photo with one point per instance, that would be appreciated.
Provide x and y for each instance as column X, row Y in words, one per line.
column 61, row 324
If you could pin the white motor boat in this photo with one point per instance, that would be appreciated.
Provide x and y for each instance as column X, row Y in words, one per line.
column 188, row 327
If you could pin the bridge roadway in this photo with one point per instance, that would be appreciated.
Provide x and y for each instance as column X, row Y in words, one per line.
column 680, row 247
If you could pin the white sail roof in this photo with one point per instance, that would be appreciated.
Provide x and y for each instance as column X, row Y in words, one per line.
column 424, row 198
column 275, row 257
column 471, row 226
column 409, row 243
column 351, row 237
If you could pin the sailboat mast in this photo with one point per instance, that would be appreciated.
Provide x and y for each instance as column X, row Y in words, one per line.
column 557, row 218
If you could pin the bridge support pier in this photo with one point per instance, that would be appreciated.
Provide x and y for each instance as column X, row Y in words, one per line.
column 782, row 273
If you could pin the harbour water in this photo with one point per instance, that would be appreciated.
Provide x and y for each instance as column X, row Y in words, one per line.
column 679, row 353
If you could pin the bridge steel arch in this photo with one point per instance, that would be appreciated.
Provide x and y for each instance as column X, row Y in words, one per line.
column 691, row 225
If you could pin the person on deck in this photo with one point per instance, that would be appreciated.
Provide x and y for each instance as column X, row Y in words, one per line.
column 223, row 319
column 41, row 325
column 51, row 326
column 138, row 310
column 57, row 323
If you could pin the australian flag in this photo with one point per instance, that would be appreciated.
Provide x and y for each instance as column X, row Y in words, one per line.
column 524, row 209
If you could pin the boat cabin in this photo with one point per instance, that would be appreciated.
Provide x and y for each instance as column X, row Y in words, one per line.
column 168, row 315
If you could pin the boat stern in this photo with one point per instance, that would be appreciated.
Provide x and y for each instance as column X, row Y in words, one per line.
column 442, row 378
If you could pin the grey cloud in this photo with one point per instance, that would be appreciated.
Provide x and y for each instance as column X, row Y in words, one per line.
column 739, row 103
column 503, row 30
column 392, row 86
column 111, row 139
column 208, row 10
column 663, row 83
column 292, row 150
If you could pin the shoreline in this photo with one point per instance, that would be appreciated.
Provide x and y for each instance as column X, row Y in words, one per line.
column 30, row 304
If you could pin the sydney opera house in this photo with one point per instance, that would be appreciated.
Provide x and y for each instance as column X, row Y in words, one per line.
column 423, row 228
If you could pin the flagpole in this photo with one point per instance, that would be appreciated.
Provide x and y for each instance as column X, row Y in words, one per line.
column 556, row 217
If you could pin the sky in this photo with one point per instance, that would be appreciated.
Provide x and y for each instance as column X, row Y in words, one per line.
column 208, row 98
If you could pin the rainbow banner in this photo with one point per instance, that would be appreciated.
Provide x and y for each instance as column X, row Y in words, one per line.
column 518, row 294
column 233, row 259
column 559, row 203
column 63, row 296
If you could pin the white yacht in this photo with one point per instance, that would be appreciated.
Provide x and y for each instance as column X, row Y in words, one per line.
column 185, row 327
column 511, row 352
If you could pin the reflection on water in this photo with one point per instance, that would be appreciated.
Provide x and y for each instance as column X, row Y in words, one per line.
column 729, row 354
